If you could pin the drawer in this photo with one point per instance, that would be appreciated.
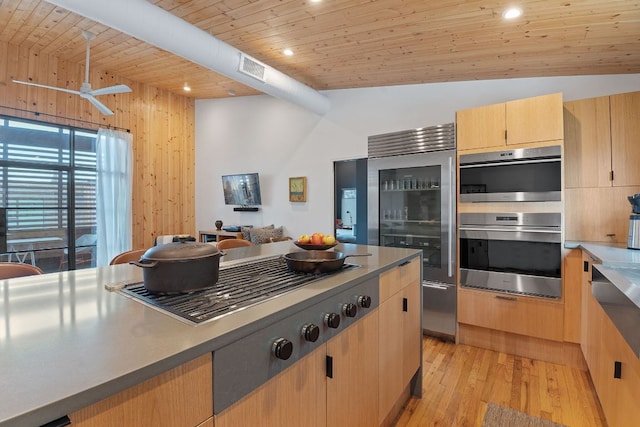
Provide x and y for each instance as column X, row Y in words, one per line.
column 396, row 279
column 534, row 317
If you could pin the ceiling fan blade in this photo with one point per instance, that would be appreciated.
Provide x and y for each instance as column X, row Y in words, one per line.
column 99, row 105
column 111, row 90
column 61, row 89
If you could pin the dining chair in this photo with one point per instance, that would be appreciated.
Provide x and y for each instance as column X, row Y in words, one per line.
column 9, row 270
column 125, row 257
column 233, row 243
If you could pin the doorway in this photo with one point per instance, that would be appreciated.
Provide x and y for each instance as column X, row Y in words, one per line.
column 350, row 204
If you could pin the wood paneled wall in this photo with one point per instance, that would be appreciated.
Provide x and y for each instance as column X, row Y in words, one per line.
column 162, row 125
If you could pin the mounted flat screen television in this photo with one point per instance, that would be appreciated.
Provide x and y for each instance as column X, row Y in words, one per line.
column 242, row 189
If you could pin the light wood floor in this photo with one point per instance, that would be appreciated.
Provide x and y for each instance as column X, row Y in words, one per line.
column 459, row 381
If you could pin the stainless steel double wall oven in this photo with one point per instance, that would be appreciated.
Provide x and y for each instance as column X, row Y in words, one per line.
column 519, row 251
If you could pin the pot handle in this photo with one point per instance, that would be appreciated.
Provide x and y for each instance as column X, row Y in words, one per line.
column 144, row 264
column 357, row 255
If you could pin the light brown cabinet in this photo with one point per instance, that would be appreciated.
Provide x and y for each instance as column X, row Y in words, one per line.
column 601, row 148
column 180, row 397
column 523, row 121
column 603, row 347
column 601, row 156
column 587, row 336
column 625, row 128
column 400, row 333
column 352, row 391
column 529, row 316
column 295, row 397
column 572, row 289
column 587, row 143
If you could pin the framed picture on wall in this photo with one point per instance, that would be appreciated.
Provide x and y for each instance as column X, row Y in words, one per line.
column 298, row 189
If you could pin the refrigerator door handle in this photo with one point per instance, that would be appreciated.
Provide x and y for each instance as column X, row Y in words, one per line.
column 452, row 196
column 434, row 286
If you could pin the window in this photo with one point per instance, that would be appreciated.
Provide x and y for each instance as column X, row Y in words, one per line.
column 47, row 182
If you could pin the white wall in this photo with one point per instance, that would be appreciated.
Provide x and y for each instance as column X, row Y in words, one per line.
column 281, row 140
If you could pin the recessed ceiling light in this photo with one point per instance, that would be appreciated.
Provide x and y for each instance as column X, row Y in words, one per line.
column 231, row 92
column 316, row 1
column 288, row 52
column 512, row 13
column 186, row 88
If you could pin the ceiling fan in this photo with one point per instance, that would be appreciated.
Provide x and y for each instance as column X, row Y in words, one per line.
column 85, row 90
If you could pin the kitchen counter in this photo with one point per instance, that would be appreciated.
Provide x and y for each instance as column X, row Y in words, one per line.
column 609, row 253
column 66, row 342
column 619, row 266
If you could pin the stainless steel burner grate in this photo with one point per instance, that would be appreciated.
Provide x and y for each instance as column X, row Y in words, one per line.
column 238, row 287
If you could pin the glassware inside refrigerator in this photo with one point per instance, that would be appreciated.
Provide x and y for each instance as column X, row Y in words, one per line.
column 410, row 203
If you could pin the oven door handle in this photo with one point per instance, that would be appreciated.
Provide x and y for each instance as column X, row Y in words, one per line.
column 509, row 230
column 508, row 163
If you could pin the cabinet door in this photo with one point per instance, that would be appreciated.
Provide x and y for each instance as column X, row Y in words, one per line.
column 533, row 317
column 182, row 396
column 625, row 128
column 572, row 284
column 390, row 367
column 411, row 331
column 296, row 397
column 624, row 410
column 535, row 119
column 352, row 393
column 585, row 297
column 587, row 143
column 482, row 127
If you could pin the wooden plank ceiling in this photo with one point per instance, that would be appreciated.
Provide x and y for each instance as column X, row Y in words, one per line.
column 353, row 43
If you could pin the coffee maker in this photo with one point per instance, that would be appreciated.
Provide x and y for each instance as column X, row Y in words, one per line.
column 633, row 242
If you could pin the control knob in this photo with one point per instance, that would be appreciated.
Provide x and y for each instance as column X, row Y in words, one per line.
column 350, row 309
column 282, row 348
column 332, row 320
column 364, row 301
column 310, row 332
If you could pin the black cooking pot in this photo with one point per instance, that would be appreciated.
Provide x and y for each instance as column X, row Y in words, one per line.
column 316, row 261
column 180, row 267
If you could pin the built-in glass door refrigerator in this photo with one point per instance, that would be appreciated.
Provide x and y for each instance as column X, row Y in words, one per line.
column 412, row 205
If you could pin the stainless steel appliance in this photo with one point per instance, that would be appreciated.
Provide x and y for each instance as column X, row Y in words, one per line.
column 238, row 287
column 520, row 175
column 411, row 198
column 516, row 253
column 633, row 242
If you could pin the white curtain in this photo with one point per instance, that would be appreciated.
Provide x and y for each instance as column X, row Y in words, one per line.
column 114, row 166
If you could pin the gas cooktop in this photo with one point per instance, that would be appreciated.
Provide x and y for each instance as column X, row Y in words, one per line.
column 238, row 287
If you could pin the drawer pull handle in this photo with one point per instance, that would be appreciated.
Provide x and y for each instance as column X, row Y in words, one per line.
column 506, row 298
column 617, row 370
